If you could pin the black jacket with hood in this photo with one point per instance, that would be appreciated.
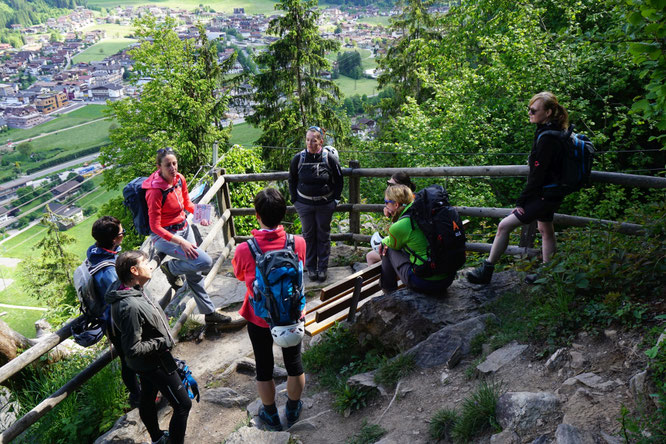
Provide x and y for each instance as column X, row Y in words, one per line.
column 142, row 327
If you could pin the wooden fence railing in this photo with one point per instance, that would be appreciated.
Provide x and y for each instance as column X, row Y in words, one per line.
column 225, row 227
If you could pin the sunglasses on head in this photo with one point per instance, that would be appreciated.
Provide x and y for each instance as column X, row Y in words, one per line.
column 316, row 128
column 165, row 151
column 122, row 233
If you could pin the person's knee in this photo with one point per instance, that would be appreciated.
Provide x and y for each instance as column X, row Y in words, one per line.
column 183, row 407
column 547, row 231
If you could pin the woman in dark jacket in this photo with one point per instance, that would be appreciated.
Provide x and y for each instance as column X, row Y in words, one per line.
column 146, row 342
column 315, row 185
column 545, row 163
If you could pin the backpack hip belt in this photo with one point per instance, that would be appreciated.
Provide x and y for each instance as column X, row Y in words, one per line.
column 315, row 198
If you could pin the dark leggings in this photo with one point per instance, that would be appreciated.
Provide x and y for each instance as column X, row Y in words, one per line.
column 171, row 387
column 262, row 344
column 128, row 375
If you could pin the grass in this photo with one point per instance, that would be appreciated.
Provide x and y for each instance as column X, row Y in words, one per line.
column 368, row 434
column 102, row 50
column 244, row 134
column 375, row 20
column 442, row 423
column 367, row 62
column 390, row 372
column 350, row 87
column 251, row 6
column 113, row 30
column 81, row 115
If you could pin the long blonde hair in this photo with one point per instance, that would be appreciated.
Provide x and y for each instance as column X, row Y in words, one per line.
column 559, row 113
column 400, row 194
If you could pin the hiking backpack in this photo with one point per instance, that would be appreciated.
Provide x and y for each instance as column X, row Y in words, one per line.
column 326, row 151
column 576, row 162
column 189, row 383
column 278, row 285
column 442, row 227
column 135, row 199
column 92, row 305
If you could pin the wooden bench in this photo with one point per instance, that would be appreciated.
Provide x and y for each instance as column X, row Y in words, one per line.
column 341, row 300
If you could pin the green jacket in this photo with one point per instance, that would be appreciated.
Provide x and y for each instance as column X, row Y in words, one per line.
column 142, row 327
column 402, row 234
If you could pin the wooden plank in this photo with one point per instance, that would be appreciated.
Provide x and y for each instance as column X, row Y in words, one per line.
column 344, row 303
column 340, row 286
column 316, row 328
column 343, row 294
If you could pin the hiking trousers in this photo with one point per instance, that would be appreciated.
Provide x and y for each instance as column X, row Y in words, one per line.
column 397, row 265
column 316, row 223
column 191, row 268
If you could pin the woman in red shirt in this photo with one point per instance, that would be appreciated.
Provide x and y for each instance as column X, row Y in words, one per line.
column 167, row 199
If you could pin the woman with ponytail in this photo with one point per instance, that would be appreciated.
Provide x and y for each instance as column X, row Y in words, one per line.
column 545, row 162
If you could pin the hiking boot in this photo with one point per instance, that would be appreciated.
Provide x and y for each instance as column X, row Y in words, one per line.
column 217, row 318
column 312, row 275
column 174, row 280
column 481, row 274
column 271, row 420
column 321, row 275
column 164, row 439
column 293, row 415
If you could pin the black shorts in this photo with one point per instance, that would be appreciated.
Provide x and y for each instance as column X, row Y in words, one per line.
column 539, row 209
column 262, row 345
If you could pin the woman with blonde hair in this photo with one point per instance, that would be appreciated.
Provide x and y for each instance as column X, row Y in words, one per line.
column 537, row 201
column 404, row 247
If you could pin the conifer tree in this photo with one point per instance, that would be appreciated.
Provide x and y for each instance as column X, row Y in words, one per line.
column 291, row 94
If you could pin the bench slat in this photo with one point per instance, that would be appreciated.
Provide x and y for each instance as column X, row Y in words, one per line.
column 344, row 303
column 348, row 283
column 342, row 295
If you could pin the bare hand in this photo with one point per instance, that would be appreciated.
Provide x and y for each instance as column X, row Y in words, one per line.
column 189, row 249
column 387, row 212
column 382, row 250
column 205, row 222
column 519, row 210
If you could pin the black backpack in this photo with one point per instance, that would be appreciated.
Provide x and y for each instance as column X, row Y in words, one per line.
column 135, row 199
column 442, row 227
column 93, row 307
column 576, row 163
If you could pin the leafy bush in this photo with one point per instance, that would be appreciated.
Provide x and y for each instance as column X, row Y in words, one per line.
column 85, row 414
column 442, row 423
column 349, row 398
column 391, row 371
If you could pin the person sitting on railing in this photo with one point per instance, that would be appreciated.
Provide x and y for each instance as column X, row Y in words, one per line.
column 270, row 208
column 108, row 233
column 545, row 162
column 167, row 199
column 315, row 185
column 399, row 178
column 146, row 340
column 402, row 249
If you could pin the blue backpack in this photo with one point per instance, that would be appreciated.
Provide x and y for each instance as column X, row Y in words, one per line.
column 189, row 383
column 576, row 163
column 279, row 298
column 135, row 200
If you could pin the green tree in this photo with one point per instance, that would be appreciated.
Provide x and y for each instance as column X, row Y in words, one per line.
column 291, row 95
column 48, row 277
column 182, row 106
column 349, row 64
column 25, row 149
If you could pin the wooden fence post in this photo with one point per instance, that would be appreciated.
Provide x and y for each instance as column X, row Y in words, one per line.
column 354, row 198
column 527, row 235
column 224, row 203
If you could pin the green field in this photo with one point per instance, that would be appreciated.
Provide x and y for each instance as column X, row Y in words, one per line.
column 112, row 30
column 251, row 7
column 376, row 20
column 102, row 50
column 81, row 115
column 244, row 134
column 351, row 87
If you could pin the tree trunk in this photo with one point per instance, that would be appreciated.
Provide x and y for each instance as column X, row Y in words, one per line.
column 11, row 342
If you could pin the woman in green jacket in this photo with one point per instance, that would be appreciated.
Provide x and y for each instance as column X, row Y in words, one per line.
column 398, row 248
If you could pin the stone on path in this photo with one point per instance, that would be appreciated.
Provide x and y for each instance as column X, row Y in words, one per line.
column 568, row 434
column 501, row 357
column 251, row 435
column 225, row 396
column 526, row 413
column 588, row 379
column 505, row 437
column 367, row 379
column 449, row 343
column 556, row 360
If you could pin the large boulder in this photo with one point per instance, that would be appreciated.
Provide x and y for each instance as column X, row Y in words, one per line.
column 402, row 319
column 526, row 413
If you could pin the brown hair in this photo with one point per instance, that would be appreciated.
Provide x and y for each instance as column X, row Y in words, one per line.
column 162, row 153
column 400, row 194
column 125, row 262
column 559, row 114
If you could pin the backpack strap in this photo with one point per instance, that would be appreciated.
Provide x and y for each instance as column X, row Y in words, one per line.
column 254, row 248
column 559, row 134
column 290, row 243
column 301, row 160
column 100, row 266
column 166, row 192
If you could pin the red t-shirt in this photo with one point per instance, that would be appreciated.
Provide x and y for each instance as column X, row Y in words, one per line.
column 245, row 267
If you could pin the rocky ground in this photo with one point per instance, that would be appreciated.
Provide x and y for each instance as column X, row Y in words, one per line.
column 573, row 396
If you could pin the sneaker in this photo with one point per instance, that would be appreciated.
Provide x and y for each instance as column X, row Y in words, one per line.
column 321, row 275
column 174, row 280
column 272, row 421
column 481, row 274
column 312, row 275
column 293, row 415
column 164, row 439
column 217, row 318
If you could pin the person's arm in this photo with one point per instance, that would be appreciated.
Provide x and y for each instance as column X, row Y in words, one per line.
column 130, row 327
column 539, row 166
column 398, row 234
column 293, row 177
column 238, row 263
column 336, row 177
column 154, row 201
column 187, row 203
